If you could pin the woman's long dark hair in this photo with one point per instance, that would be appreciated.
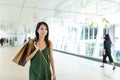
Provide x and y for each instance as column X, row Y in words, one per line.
column 107, row 37
column 37, row 35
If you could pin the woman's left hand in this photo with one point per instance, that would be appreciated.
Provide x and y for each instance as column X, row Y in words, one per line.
column 54, row 77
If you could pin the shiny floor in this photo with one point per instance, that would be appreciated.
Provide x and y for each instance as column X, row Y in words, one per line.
column 67, row 67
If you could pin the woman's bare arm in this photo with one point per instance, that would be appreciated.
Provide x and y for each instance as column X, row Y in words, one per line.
column 33, row 53
column 51, row 59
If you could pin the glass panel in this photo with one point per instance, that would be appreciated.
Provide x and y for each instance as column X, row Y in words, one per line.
column 82, row 34
column 95, row 32
column 89, row 48
column 86, row 33
column 91, row 33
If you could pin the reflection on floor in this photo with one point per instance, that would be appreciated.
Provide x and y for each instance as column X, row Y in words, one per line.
column 67, row 67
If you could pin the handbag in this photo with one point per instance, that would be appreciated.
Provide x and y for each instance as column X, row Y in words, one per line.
column 20, row 58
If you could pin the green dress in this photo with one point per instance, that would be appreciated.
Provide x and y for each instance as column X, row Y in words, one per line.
column 39, row 69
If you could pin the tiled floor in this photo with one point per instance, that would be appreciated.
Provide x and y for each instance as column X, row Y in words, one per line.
column 67, row 67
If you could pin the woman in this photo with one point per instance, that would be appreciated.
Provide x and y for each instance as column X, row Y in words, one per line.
column 41, row 56
column 107, row 51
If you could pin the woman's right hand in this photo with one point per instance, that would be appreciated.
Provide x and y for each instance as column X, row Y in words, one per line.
column 36, row 46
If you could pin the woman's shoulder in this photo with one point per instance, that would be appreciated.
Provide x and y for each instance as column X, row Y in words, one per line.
column 50, row 42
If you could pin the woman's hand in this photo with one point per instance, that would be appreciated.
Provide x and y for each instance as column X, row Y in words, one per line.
column 36, row 45
column 54, row 77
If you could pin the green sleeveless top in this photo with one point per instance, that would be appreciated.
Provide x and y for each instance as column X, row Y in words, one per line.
column 39, row 69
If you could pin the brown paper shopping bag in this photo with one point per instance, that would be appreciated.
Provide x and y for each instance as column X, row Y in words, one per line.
column 20, row 58
column 17, row 58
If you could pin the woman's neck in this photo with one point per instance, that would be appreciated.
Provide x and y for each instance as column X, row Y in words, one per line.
column 41, row 39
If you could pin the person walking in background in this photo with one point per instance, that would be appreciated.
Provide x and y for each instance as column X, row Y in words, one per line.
column 41, row 58
column 107, row 51
column 25, row 40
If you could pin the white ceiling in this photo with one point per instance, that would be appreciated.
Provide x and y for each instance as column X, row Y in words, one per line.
column 25, row 13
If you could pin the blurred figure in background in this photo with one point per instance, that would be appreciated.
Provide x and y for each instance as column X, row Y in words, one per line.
column 107, row 51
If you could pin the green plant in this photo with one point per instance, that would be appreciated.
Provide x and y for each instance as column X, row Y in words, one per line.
column 106, row 22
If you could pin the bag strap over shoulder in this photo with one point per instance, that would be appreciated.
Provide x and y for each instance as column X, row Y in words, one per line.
column 44, row 57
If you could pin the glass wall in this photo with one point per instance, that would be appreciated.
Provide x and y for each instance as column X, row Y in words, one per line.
column 82, row 26
column 83, row 39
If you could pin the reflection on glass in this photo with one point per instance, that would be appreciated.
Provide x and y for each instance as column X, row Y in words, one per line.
column 89, row 48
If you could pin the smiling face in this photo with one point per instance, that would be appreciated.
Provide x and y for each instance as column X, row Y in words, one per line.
column 42, row 31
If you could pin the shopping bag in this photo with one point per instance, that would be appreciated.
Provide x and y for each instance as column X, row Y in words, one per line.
column 20, row 58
